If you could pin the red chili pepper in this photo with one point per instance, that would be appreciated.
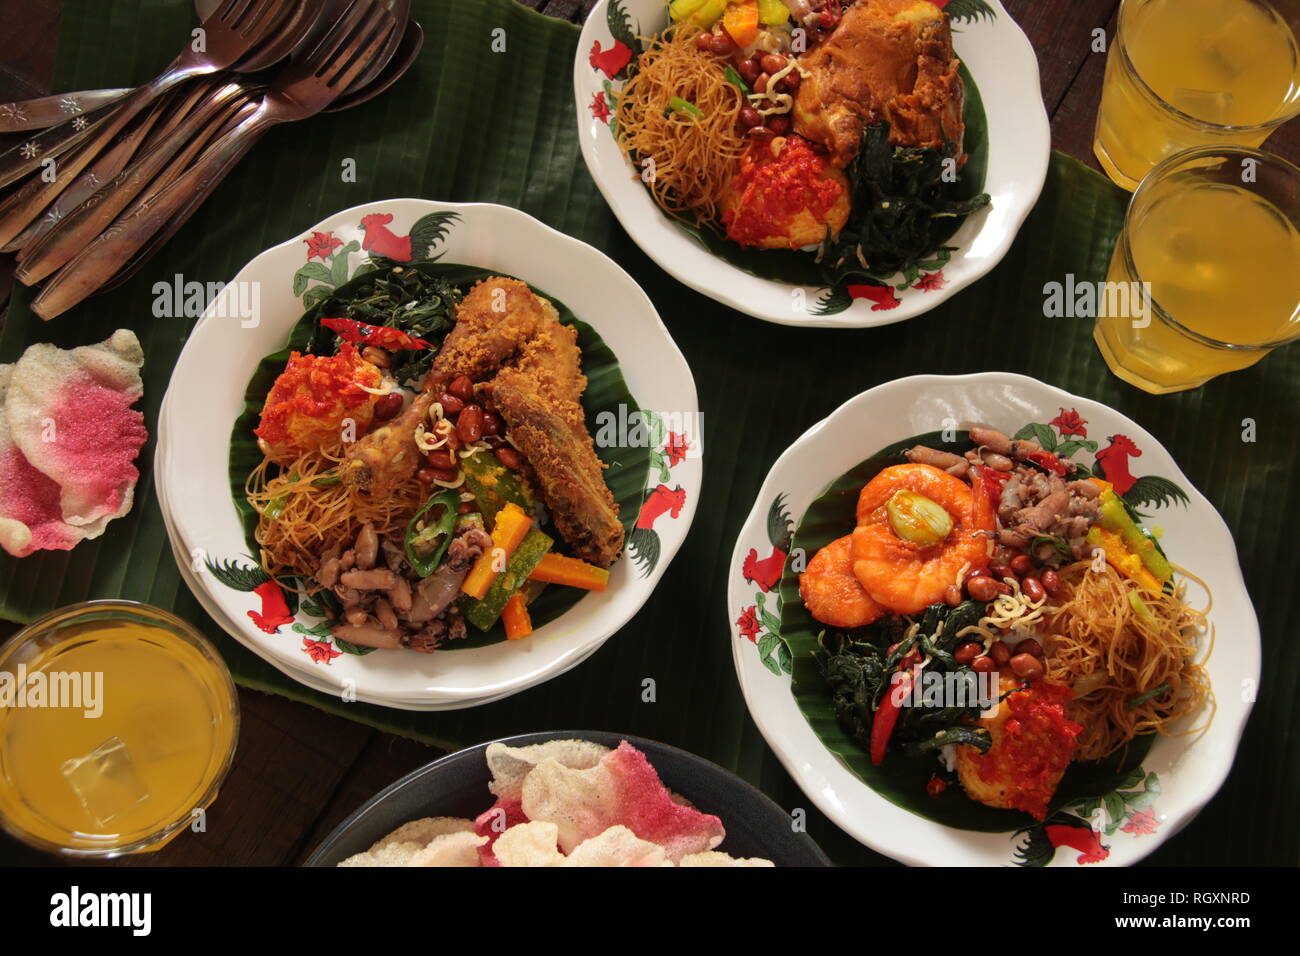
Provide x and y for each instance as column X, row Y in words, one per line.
column 936, row 785
column 999, row 478
column 359, row 333
column 1050, row 461
column 886, row 719
column 989, row 483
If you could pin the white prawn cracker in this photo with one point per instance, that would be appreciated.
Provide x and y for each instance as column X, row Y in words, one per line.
column 424, row 830
column 581, row 803
column 397, row 853
column 623, row 789
column 617, row 846
column 510, row 765
column 529, row 844
column 571, row 803
column 450, row 849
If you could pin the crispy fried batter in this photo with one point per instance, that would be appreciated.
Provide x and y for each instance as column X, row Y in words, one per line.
column 886, row 60
column 552, row 363
column 496, row 319
column 559, row 449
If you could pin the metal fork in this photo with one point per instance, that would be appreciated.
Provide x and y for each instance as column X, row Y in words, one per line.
column 301, row 89
column 227, row 35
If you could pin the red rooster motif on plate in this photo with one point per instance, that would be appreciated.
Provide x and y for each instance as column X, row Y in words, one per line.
column 1138, row 491
column 417, row 246
column 766, row 571
column 644, row 540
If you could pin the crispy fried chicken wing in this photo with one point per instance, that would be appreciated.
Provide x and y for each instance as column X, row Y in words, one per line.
column 886, row 60
column 493, row 323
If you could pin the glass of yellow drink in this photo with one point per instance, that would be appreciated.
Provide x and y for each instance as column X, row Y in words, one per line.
column 1187, row 73
column 118, row 723
column 1213, row 237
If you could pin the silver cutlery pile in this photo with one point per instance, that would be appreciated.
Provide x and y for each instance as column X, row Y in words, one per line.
column 92, row 198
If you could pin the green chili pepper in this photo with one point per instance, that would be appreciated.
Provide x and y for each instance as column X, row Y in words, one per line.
column 436, row 534
column 679, row 105
column 1136, row 702
column 276, row 506
column 735, row 79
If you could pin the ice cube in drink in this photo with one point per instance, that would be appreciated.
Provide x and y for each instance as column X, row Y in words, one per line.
column 106, row 781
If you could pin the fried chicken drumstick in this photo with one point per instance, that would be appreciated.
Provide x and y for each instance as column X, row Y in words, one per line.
column 886, row 60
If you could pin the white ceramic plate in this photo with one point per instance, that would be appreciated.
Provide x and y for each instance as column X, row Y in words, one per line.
column 1187, row 770
column 206, row 393
column 1005, row 68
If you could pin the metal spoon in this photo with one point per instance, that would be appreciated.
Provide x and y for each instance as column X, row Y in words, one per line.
column 46, row 111
column 407, row 53
column 296, row 22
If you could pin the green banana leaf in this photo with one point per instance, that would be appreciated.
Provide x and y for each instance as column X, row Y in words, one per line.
column 607, row 391
column 901, row 779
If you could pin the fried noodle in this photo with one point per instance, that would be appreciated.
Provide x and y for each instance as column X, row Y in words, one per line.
column 694, row 156
column 304, row 512
column 1114, row 655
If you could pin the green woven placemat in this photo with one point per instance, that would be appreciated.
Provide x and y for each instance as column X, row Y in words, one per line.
column 470, row 124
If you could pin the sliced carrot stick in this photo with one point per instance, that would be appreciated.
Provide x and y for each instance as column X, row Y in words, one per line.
column 511, row 527
column 557, row 569
column 515, row 617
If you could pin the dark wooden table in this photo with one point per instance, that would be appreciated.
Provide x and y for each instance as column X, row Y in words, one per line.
column 298, row 771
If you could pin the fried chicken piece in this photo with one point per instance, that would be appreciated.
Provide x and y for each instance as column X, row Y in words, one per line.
column 494, row 321
column 886, row 60
column 503, row 327
column 552, row 436
column 387, row 456
column 552, row 363
column 539, row 395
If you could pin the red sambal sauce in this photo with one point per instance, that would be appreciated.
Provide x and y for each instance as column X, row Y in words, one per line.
column 313, row 394
column 775, row 189
column 1037, row 744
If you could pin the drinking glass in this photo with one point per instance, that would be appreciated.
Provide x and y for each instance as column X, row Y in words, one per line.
column 118, row 723
column 1211, row 247
column 1187, row 73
